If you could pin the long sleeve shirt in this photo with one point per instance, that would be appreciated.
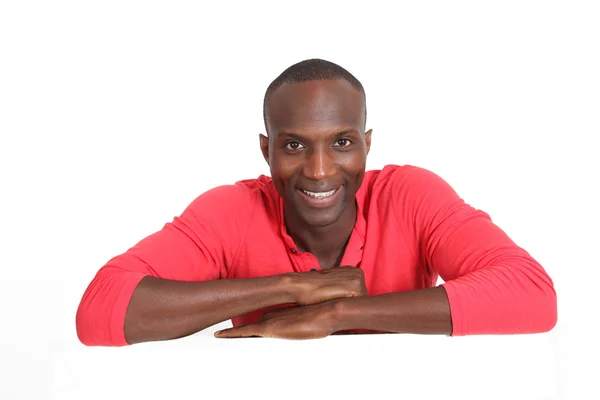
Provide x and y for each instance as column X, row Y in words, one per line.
column 411, row 228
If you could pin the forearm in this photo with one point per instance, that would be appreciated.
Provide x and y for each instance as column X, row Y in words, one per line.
column 162, row 309
column 425, row 311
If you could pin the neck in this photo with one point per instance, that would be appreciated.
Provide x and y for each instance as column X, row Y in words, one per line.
column 327, row 243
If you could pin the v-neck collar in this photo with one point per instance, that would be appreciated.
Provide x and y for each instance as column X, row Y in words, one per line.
column 353, row 252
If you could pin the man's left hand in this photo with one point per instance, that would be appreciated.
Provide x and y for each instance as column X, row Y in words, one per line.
column 300, row 322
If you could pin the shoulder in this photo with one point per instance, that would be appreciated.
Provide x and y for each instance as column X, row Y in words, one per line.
column 411, row 177
column 405, row 176
column 409, row 185
column 234, row 200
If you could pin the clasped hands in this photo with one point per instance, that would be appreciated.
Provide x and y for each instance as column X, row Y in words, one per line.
column 318, row 295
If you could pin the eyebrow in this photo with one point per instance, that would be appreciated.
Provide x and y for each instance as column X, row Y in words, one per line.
column 299, row 137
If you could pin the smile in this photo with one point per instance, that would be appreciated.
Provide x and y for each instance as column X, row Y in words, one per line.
column 319, row 195
column 320, row 199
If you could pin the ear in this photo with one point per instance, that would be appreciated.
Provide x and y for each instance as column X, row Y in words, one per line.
column 264, row 146
column 368, row 139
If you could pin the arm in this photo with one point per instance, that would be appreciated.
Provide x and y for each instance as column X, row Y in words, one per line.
column 162, row 309
column 160, row 274
column 492, row 286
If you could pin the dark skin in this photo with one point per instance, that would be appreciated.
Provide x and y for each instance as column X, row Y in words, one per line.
column 161, row 309
column 316, row 142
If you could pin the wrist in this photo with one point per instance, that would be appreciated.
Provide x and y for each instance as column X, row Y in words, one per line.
column 336, row 314
column 287, row 287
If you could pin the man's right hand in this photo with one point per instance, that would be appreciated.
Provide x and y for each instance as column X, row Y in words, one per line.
column 318, row 286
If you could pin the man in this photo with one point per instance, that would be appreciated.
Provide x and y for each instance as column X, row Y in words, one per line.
column 321, row 246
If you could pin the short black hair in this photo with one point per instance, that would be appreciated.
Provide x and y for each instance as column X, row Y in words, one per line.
column 312, row 70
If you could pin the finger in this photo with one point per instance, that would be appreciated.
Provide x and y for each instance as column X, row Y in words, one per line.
column 238, row 332
column 275, row 313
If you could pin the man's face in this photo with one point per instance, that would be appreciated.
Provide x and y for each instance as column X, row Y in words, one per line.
column 317, row 148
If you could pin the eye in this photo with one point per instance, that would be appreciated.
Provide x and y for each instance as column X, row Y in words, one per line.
column 293, row 146
column 343, row 142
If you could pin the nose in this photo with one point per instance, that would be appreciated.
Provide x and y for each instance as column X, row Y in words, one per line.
column 319, row 165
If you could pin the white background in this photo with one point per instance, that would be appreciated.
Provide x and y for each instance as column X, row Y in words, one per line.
column 115, row 115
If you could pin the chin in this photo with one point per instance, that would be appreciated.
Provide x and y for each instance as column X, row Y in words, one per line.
column 321, row 219
column 320, row 223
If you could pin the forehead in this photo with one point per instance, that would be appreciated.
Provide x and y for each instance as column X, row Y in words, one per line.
column 315, row 105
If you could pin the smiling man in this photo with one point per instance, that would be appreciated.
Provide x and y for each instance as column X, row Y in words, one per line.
column 321, row 246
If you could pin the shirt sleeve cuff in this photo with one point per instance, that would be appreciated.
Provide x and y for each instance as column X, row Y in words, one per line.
column 459, row 325
column 117, row 323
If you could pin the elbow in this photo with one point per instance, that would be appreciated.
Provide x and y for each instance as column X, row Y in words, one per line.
column 82, row 326
column 536, row 299
column 89, row 324
column 93, row 328
column 539, row 308
column 548, row 313
column 100, row 315
column 507, row 303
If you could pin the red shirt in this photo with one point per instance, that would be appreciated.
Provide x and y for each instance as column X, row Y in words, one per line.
column 411, row 227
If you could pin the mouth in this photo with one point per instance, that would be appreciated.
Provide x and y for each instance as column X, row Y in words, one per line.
column 319, row 195
column 321, row 198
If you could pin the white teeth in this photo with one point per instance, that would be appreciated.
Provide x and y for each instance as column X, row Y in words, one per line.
column 320, row 195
